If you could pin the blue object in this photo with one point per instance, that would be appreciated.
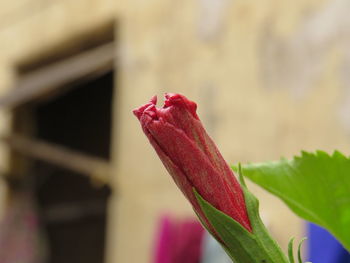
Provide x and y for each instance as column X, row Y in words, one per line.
column 324, row 248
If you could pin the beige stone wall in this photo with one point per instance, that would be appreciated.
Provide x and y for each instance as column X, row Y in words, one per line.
column 268, row 81
column 260, row 93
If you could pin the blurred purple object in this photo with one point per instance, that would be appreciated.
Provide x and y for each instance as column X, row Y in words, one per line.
column 179, row 241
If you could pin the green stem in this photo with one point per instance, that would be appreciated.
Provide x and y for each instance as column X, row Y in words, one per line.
column 240, row 244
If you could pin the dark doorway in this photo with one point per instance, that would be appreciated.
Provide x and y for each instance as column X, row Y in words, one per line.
column 72, row 207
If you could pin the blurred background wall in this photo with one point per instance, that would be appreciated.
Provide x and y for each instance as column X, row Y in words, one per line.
column 270, row 77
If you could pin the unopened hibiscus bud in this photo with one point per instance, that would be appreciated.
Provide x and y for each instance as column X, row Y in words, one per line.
column 191, row 157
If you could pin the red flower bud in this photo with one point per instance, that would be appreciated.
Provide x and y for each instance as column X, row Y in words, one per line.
column 191, row 157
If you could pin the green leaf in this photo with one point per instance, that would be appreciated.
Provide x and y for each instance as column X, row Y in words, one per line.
column 316, row 186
